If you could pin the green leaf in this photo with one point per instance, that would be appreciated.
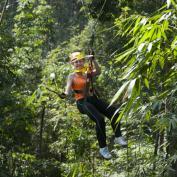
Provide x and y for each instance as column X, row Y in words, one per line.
column 141, row 46
column 165, row 24
column 149, row 47
column 135, row 92
column 144, row 37
column 148, row 115
column 164, row 34
column 125, row 54
column 151, row 33
column 130, row 88
column 127, row 107
column 174, row 43
column 137, row 25
column 146, row 82
column 168, row 3
column 129, row 29
column 173, row 122
column 129, row 72
column 158, row 33
column 161, row 62
column 138, row 86
column 120, row 92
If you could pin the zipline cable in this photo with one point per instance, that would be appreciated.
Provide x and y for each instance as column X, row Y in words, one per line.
column 90, row 50
column 96, row 21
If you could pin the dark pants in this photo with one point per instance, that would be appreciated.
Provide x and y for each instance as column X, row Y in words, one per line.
column 96, row 109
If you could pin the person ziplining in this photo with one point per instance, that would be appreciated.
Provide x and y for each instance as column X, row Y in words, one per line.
column 80, row 82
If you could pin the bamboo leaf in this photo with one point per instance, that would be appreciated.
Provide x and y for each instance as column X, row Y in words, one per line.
column 126, row 109
column 158, row 32
column 148, row 115
column 165, row 24
column 138, row 85
column 174, row 43
column 168, row 3
column 135, row 92
column 120, row 92
column 173, row 122
column 130, row 88
column 125, row 54
column 149, row 47
column 143, row 21
column 144, row 37
column 137, row 26
column 161, row 62
column 128, row 28
column 141, row 46
column 146, row 82
column 131, row 40
column 120, row 116
column 151, row 33
column 129, row 72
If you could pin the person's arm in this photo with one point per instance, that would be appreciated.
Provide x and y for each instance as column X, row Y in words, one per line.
column 69, row 84
column 97, row 70
column 68, row 88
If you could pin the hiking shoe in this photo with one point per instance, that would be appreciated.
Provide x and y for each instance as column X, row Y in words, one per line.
column 120, row 140
column 105, row 153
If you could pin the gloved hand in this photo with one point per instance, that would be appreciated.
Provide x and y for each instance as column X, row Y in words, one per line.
column 89, row 57
column 91, row 54
column 62, row 95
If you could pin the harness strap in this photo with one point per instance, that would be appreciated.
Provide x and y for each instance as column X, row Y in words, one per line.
column 89, row 75
column 78, row 91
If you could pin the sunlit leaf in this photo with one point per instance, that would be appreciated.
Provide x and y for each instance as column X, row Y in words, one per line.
column 151, row 33
column 120, row 92
column 148, row 115
column 174, row 43
column 161, row 62
column 165, row 24
column 137, row 25
column 168, row 3
column 130, row 88
column 144, row 37
column 149, row 47
column 146, row 82
column 125, row 54
column 141, row 46
column 143, row 21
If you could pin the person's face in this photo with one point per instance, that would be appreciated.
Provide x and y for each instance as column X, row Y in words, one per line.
column 78, row 64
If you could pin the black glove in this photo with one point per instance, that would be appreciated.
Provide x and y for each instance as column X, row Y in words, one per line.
column 62, row 95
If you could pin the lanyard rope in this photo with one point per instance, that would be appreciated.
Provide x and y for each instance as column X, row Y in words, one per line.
column 91, row 69
column 92, row 38
column 96, row 21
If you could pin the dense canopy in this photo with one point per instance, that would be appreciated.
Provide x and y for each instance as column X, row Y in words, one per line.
column 135, row 43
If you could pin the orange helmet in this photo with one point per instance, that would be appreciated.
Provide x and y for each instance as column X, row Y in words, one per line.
column 76, row 56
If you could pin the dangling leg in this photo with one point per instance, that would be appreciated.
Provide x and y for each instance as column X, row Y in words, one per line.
column 98, row 118
column 112, row 113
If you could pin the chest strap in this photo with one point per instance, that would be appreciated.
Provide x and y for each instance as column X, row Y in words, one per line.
column 78, row 91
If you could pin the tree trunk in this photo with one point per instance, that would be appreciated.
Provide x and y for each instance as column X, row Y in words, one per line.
column 171, row 150
column 41, row 131
column 3, row 11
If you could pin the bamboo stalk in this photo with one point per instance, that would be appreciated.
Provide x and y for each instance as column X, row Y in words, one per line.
column 3, row 11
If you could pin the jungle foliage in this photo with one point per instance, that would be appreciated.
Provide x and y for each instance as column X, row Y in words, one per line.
column 135, row 43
